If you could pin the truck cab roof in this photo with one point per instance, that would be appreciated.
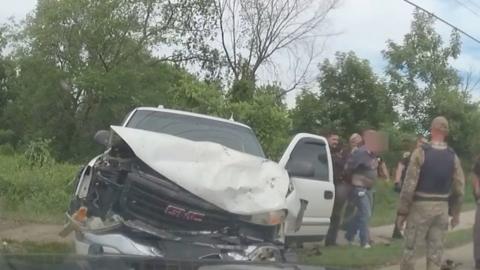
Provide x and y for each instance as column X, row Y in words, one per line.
column 185, row 113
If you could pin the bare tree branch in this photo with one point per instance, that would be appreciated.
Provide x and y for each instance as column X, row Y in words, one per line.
column 470, row 82
column 260, row 29
column 220, row 7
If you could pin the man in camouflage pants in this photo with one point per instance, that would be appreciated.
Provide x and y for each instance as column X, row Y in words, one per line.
column 433, row 188
column 476, row 227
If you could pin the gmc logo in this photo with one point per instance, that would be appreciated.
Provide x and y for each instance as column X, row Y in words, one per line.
column 181, row 213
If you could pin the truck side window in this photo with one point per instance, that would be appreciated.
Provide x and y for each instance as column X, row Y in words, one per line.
column 306, row 155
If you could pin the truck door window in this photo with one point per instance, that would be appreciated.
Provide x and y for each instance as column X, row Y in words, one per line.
column 310, row 153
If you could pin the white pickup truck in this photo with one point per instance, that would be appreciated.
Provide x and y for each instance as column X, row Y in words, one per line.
column 185, row 178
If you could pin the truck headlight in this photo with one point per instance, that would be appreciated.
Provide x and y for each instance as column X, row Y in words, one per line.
column 269, row 218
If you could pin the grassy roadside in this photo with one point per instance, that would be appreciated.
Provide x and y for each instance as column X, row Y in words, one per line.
column 30, row 247
column 386, row 200
column 378, row 256
column 39, row 194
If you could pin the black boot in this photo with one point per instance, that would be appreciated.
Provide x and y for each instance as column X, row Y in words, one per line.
column 397, row 234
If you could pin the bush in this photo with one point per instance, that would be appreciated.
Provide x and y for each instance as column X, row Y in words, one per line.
column 7, row 136
column 35, row 192
column 6, row 149
column 38, row 153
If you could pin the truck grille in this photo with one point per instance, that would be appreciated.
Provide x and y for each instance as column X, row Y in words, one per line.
column 161, row 205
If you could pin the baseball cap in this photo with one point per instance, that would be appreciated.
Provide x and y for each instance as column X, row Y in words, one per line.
column 440, row 123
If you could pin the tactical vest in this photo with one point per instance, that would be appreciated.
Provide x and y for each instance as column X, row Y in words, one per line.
column 436, row 173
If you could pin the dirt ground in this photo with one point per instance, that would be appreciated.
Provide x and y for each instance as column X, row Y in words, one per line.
column 35, row 232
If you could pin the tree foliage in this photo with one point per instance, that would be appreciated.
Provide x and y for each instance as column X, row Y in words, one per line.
column 77, row 66
column 420, row 67
column 96, row 64
column 350, row 97
column 99, row 59
column 268, row 118
column 426, row 85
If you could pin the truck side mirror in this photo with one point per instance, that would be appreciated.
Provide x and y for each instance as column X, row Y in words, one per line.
column 301, row 168
column 102, row 137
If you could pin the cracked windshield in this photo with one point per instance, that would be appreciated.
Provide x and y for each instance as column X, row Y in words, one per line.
column 240, row 134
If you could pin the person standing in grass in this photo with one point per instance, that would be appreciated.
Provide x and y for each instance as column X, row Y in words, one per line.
column 342, row 188
column 362, row 166
column 400, row 176
column 476, row 227
column 355, row 141
column 432, row 190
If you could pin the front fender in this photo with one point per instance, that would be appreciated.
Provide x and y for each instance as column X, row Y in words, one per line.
column 85, row 178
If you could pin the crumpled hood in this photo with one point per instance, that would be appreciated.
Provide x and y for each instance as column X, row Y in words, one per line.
column 234, row 181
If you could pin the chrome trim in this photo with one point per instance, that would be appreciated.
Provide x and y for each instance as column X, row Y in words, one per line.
column 122, row 244
column 119, row 244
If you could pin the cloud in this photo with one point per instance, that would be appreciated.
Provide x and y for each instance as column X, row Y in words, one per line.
column 364, row 26
column 17, row 9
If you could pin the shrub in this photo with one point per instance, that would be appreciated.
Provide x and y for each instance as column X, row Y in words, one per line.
column 7, row 136
column 38, row 153
column 6, row 149
column 35, row 192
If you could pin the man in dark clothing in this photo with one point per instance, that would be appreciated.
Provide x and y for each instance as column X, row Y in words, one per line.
column 400, row 176
column 342, row 189
column 355, row 142
column 362, row 166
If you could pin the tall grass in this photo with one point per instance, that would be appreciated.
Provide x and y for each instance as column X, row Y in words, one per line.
column 38, row 193
column 386, row 201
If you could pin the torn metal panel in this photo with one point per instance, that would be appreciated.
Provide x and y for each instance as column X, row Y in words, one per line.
column 86, row 176
column 234, row 181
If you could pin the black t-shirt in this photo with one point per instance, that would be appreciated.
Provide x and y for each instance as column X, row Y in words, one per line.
column 338, row 159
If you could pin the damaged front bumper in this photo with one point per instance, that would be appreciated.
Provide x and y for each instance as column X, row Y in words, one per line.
column 120, row 244
column 135, row 238
column 115, row 243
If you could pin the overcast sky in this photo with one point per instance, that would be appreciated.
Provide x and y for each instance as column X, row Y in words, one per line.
column 365, row 26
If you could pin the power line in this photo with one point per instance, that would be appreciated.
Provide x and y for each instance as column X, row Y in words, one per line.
column 444, row 21
column 467, row 7
column 474, row 4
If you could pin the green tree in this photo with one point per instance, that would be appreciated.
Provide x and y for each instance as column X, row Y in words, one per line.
column 309, row 114
column 4, row 66
column 351, row 97
column 426, row 85
column 267, row 117
column 96, row 64
column 420, row 67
